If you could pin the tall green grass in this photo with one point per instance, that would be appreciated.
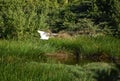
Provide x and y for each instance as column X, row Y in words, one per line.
column 26, row 50
column 98, row 44
column 25, row 60
column 34, row 71
column 79, row 46
column 89, row 45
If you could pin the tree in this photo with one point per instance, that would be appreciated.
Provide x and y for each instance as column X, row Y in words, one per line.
column 109, row 11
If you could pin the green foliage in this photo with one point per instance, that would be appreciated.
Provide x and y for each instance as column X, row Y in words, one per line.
column 107, row 11
column 103, row 71
column 80, row 47
column 34, row 50
column 57, row 72
column 25, row 60
column 21, row 19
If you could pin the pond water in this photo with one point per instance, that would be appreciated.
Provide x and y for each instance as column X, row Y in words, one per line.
column 73, row 60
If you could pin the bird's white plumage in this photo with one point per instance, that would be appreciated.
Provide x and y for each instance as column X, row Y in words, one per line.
column 43, row 35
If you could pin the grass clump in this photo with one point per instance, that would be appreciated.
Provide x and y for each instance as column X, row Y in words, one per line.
column 26, row 60
column 103, row 71
column 34, row 71
column 99, row 48
column 31, row 50
column 80, row 46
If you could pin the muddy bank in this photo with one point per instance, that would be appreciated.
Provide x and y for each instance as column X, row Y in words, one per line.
column 66, row 58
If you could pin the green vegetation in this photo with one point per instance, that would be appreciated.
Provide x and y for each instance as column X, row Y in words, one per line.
column 84, row 45
column 90, row 51
column 21, row 18
column 26, row 59
column 34, row 71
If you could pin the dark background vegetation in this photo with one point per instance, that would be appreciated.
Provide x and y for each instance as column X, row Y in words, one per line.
column 21, row 18
column 90, row 50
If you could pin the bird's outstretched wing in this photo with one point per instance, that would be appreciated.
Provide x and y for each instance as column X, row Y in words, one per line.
column 43, row 35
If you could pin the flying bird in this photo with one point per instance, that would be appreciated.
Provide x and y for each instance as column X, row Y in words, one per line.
column 44, row 35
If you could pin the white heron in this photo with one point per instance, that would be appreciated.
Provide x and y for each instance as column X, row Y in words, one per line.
column 44, row 35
